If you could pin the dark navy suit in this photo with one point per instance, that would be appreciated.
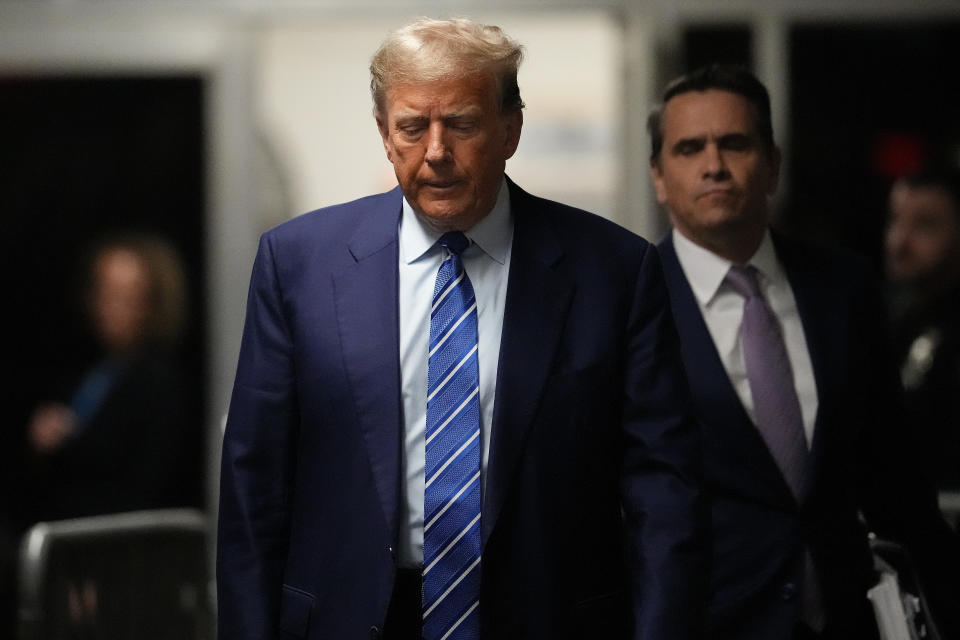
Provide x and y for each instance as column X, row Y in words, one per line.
column 590, row 505
column 861, row 461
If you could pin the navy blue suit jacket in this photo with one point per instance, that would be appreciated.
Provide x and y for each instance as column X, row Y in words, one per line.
column 590, row 504
column 860, row 460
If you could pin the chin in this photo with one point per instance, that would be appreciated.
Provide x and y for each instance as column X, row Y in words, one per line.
column 441, row 219
column 438, row 211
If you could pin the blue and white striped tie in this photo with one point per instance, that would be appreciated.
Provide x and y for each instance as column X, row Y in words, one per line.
column 451, row 530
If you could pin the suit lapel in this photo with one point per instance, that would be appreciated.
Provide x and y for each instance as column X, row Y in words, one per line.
column 820, row 315
column 718, row 405
column 538, row 298
column 366, row 298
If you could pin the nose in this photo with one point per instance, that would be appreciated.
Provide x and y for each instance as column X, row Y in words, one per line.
column 437, row 149
column 714, row 164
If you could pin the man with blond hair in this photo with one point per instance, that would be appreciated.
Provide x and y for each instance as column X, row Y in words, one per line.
column 459, row 410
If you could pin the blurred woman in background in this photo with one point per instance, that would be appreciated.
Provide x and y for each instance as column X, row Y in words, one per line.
column 121, row 440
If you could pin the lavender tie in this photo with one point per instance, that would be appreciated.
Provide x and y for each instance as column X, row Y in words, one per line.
column 776, row 407
column 776, row 410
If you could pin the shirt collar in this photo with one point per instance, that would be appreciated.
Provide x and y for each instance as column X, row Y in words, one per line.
column 765, row 261
column 493, row 234
column 706, row 270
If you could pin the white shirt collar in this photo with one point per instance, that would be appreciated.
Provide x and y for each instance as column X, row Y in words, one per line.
column 706, row 270
column 492, row 234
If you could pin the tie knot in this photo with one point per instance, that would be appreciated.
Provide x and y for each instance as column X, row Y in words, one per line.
column 454, row 242
column 743, row 279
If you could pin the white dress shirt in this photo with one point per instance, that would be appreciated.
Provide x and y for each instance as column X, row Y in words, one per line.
column 722, row 310
column 487, row 263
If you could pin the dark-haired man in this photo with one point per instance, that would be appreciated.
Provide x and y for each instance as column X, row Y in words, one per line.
column 923, row 266
column 784, row 350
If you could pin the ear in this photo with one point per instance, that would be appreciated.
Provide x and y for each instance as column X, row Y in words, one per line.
column 385, row 135
column 658, row 185
column 513, row 122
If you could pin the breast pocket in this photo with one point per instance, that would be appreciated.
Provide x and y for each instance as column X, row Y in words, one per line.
column 295, row 609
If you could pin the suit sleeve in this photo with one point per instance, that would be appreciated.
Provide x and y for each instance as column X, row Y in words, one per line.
column 257, row 464
column 661, row 471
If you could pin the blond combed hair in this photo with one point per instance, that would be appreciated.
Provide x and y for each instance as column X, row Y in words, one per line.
column 428, row 50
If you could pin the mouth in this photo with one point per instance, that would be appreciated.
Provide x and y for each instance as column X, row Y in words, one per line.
column 441, row 188
column 441, row 185
column 717, row 193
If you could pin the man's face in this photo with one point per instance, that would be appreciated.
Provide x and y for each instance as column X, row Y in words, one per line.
column 449, row 143
column 714, row 172
column 923, row 235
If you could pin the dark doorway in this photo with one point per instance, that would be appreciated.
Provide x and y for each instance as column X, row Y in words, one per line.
column 723, row 43
column 869, row 103
column 82, row 157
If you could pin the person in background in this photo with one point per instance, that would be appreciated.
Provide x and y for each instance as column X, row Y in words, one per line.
column 785, row 350
column 122, row 439
column 923, row 268
column 459, row 409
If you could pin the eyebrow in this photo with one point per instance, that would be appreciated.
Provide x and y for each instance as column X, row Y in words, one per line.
column 469, row 111
column 699, row 141
column 722, row 140
column 410, row 118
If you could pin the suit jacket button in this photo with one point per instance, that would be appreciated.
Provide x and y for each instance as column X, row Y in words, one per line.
column 374, row 633
column 788, row 591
